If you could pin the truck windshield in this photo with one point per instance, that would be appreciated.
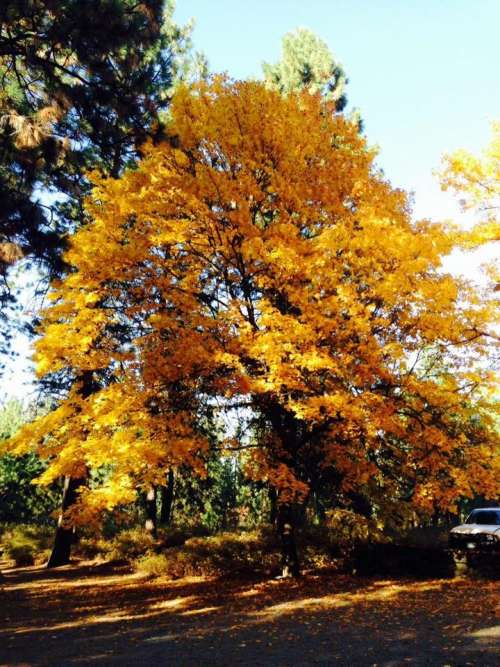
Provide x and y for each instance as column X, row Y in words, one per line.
column 485, row 517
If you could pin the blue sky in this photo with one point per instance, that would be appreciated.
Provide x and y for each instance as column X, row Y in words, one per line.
column 424, row 73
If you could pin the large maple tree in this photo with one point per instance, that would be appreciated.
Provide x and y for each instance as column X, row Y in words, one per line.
column 259, row 257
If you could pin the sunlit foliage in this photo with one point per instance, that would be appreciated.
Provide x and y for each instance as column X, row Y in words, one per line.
column 258, row 257
column 476, row 180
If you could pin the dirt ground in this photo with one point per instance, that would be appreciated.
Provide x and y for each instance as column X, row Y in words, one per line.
column 104, row 615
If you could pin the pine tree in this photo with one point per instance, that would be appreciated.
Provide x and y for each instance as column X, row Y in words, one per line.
column 84, row 84
column 307, row 63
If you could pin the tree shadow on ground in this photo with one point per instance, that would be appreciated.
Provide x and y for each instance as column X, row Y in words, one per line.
column 105, row 614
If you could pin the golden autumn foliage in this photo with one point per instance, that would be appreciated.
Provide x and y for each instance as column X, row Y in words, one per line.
column 258, row 256
column 477, row 181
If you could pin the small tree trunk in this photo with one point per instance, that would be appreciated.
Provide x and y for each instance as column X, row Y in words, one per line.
column 286, row 532
column 319, row 508
column 273, row 505
column 64, row 537
column 150, row 503
column 167, row 498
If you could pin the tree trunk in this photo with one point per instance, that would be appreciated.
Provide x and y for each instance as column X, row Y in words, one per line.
column 273, row 505
column 318, row 508
column 64, row 537
column 167, row 498
column 151, row 513
column 286, row 532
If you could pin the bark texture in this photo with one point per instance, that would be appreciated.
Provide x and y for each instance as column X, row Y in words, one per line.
column 151, row 524
column 167, row 498
column 65, row 535
column 286, row 532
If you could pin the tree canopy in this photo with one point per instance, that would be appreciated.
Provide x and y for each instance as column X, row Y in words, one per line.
column 476, row 180
column 258, row 258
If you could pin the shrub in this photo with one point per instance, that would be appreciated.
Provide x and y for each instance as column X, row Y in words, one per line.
column 21, row 554
column 130, row 544
column 225, row 553
column 320, row 539
column 341, row 534
column 27, row 544
column 348, row 529
column 92, row 546
column 176, row 536
column 174, row 563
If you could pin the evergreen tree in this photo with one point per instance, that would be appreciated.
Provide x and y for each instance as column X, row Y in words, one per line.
column 21, row 500
column 83, row 86
column 307, row 62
